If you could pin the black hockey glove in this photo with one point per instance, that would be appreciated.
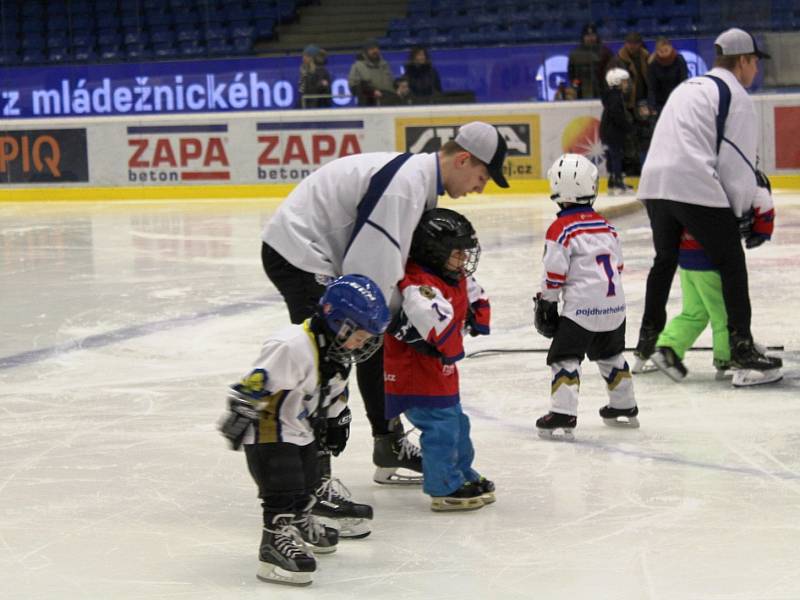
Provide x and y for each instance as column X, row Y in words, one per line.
column 402, row 330
column 241, row 414
column 337, row 432
column 763, row 181
column 545, row 316
column 745, row 223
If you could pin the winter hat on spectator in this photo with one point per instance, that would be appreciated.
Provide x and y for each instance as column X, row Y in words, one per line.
column 312, row 50
column 486, row 144
column 737, row 41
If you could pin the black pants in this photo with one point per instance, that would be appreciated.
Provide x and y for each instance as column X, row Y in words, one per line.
column 717, row 231
column 286, row 475
column 301, row 292
column 573, row 341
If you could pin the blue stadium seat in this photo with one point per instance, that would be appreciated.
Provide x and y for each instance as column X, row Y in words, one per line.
column 32, row 56
column 215, row 32
column 32, row 41
column 58, row 54
column 241, row 29
column 136, row 51
column 107, row 21
column 163, row 49
column 264, row 28
column 131, row 20
column 219, row 47
column 242, row 45
column 187, row 34
column 80, row 21
column 158, row 18
column 57, row 39
column 191, row 48
column 107, row 37
column 110, row 52
column 162, row 35
column 83, row 53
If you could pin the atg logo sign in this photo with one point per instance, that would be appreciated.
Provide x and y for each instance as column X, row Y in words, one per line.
column 521, row 136
column 289, row 151
column 175, row 153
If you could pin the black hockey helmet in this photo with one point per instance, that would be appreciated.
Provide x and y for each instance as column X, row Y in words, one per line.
column 440, row 231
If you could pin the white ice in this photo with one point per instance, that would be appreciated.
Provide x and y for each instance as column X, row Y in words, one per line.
column 124, row 322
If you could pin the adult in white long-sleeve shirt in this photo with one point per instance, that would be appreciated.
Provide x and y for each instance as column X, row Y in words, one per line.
column 357, row 214
column 700, row 174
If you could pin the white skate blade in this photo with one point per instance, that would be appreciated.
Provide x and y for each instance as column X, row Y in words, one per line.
column 449, row 504
column 643, row 365
column 565, row 434
column 670, row 372
column 623, row 422
column 723, row 374
column 396, row 476
column 349, row 529
column 751, row 377
column 275, row 574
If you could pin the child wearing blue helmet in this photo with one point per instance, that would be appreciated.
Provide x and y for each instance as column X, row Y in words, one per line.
column 293, row 401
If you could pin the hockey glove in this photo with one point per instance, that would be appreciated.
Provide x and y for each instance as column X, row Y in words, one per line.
column 241, row 414
column 402, row 330
column 745, row 223
column 545, row 316
column 337, row 432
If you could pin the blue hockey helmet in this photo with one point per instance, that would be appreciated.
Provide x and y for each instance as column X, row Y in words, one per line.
column 351, row 303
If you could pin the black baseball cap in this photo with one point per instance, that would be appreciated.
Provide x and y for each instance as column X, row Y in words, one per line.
column 485, row 143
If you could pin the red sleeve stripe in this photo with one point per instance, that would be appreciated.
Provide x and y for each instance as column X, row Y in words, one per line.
column 556, row 276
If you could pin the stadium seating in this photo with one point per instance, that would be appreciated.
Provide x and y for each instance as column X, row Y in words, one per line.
column 53, row 31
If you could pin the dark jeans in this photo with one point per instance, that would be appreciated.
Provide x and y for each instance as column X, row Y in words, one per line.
column 301, row 292
column 717, row 231
column 614, row 160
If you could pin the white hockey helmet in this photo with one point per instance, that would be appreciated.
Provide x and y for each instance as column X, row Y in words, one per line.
column 615, row 76
column 573, row 178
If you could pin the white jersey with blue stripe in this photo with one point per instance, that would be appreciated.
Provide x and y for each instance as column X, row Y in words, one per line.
column 323, row 226
column 582, row 267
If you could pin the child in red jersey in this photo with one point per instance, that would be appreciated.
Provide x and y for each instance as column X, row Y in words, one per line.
column 582, row 262
column 440, row 301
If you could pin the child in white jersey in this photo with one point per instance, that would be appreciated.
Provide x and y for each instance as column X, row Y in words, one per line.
column 582, row 266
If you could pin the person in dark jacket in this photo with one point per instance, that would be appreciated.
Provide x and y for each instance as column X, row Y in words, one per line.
column 615, row 125
column 314, row 78
column 423, row 78
column 588, row 63
column 666, row 69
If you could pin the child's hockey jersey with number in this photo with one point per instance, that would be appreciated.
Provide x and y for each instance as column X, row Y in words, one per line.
column 419, row 357
column 582, row 264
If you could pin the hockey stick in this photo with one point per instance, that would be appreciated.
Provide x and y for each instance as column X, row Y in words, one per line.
column 487, row 352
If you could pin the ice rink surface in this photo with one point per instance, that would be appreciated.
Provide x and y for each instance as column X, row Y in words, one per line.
column 123, row 323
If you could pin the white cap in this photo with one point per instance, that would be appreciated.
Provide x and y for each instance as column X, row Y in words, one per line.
column 486, row 144
column 732, row 42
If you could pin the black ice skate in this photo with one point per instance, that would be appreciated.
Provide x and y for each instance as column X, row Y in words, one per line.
column 283, row 556
column 487, row 490
column 549, row 425
column 644, row 350
column 393, row 451
column 320, row 538
column 747, row 355
column 669, row 363
column 620, row 417
column 333, row 502
column 467, row 497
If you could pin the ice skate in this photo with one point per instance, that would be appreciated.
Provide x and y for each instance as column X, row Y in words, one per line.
column 556, row 426
column 620, row 417
column 283, row 556
column 397, row 460
column 487, row 490
column 320, row 538
column 746, row 355
column 669, row 363
column 751, row 377
column 467, row 497
column 644, row 351
column 723, row 368
column 334, row 506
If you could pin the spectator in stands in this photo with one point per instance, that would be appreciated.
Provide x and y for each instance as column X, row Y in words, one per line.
column 633, row 57
column 565, row 91
column 370, row 76
column 666, row 69
column 314, row 78
column 402, row 94
column 423, row 78
column 588, row 64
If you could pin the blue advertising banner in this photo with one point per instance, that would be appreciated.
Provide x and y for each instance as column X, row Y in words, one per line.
column 498, row 74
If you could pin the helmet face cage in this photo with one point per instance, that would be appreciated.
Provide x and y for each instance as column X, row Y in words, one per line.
column 574, row 179
column 440, row 231
column 349, row 304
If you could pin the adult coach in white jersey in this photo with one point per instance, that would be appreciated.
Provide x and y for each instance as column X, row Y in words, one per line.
column 700, row 174
column 357, row 214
